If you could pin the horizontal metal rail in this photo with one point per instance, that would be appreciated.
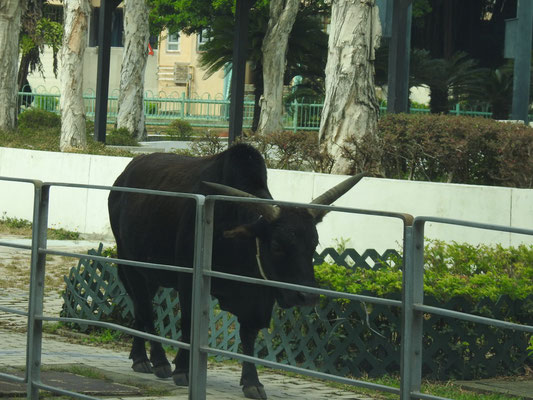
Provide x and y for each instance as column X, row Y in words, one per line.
column 12, row 378
column 15, row 245
column 140, row 264
column 14, row 311
column 111, row 325
column 307, row 289
column 302, row 371
column 472, row 318
column 411, row 304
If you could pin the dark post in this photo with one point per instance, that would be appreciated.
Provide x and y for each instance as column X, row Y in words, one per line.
column 398, row 79
column 522, row 61
column 240, row 41
column 102, row 80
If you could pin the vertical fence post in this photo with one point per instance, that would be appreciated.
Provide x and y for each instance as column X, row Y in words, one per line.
column 182, row 106
column 295, row 120
column 413, row 293
column 35, row 303
column 201, row 299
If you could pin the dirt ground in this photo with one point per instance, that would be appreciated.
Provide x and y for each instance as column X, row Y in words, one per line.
column 15, row 264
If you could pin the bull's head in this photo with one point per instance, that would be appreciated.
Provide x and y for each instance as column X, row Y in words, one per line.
column 286, row 239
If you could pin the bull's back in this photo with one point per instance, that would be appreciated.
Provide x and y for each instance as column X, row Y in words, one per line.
column 149, row 227
column 145, row 226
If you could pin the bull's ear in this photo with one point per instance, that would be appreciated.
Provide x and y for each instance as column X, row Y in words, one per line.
column 240, row 232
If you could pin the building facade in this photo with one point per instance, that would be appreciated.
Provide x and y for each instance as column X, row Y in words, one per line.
column 172, row 69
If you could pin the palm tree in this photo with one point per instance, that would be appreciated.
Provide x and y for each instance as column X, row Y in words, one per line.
column 306, row 55
column 451, row 80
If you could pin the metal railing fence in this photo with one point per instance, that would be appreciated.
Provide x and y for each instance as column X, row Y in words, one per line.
column 212, row 113
column 412, row 304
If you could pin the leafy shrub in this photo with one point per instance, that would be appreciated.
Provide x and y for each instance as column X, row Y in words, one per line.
column 180, row 129
column 121, row 137
column 292, row 150
column 38, row 119
column 450, row 270
column 443, row 148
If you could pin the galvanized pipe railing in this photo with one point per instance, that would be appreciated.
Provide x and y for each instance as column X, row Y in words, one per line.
column 412, row 299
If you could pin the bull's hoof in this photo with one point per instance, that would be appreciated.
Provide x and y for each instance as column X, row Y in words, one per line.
column 181, row 378
column 163, row 371
column 143, row 366
column 254, row 392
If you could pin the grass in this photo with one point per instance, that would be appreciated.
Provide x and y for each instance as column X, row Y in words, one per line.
column 41, row 130
column 23, row 227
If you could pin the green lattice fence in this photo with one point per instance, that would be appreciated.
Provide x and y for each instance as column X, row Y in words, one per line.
column 339, row 337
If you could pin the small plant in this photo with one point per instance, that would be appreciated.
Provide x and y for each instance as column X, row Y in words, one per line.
column 207, row 144
column 38, row 119
column 180, row 129
column 20, row 226
column 121, row 137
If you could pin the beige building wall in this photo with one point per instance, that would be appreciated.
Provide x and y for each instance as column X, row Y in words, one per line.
column 163, row 71
column 180, row 72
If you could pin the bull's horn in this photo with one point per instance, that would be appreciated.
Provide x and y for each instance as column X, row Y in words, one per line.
column 334, row 193
column 269, row 212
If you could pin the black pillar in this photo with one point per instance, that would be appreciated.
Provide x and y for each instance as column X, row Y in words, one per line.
column 240, row 42
column 102, row 80
column 399, row 49
column 522, row 61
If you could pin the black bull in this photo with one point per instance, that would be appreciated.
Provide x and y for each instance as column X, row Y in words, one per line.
column 260, row 241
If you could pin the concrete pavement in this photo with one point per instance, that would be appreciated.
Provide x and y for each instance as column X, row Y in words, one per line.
column 113, row 365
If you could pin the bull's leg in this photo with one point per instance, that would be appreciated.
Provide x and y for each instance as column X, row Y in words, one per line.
column 141, row 295
column 181, row 373
column 252, row 388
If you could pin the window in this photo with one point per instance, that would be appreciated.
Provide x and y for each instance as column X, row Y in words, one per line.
column 173, row 42
column 203, row 37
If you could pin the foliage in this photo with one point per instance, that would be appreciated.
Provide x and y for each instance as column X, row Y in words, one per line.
column 185, row 15
column 38, row 119
column 121, row 137
column 291, row 150
column 450, row 270
column 451, row 80
column 457, row 149
column 305, row 58
column 180, row 129
column 20, row 226
column 206, row 144
column 40, row 130
column 37, row 31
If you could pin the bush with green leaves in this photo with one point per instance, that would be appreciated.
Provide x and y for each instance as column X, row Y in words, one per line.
column 35, row 118
column 180, row 129
column 121, row 137
column 443, row 148
column 450, row 270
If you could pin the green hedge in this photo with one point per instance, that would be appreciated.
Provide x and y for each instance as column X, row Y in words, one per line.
column 357, row 338
column 451, row 270
column 445, row 148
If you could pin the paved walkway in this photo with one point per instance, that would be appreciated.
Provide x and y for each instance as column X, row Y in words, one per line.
column 223, row 378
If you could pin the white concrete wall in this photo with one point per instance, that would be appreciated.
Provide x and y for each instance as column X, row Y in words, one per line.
column 86, row 210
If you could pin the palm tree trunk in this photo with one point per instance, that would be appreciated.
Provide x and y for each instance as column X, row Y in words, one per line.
column 282, row 17
column 76, row 18
column 131, row 101
column 10, row 15
column 350, row 108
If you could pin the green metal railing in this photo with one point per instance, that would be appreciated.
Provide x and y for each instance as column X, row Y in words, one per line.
column 162, row 109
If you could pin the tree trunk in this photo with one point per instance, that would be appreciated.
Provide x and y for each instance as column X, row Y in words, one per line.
column 350, row 108
column 131, row 100
column 282, row 17
column 76, row 17
column 10, row 15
